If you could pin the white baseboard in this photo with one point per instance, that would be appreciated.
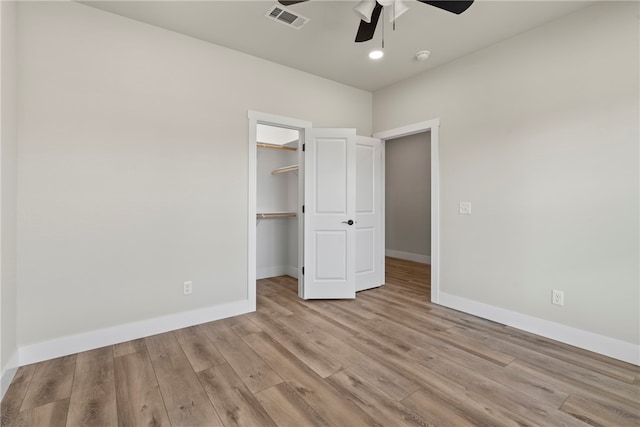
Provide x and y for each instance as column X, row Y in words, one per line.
column 423, row 259
column 8, row 372
column 279, row 270
column 611, row 347
column 102, row 337
column 292, row 271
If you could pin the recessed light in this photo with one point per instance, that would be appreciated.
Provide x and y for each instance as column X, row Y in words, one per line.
column 376, row 54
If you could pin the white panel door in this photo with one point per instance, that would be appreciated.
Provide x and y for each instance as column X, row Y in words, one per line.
column 330, row 213
column 369, row 214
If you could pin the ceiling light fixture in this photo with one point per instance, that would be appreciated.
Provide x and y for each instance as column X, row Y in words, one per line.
column 364, row 9
column 396, row 11
column 376, row 54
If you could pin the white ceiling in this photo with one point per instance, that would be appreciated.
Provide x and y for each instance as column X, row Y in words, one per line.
column 325, row 45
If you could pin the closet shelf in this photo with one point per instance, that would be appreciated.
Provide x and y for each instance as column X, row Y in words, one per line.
column 277, row 147
column 284, row 169
column 276, row 215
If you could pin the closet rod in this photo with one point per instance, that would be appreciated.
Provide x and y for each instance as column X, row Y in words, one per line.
column 276, row 215
column 292, row 168
column 277, row 147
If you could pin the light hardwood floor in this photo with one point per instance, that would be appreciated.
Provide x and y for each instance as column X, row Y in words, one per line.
column 389, row 358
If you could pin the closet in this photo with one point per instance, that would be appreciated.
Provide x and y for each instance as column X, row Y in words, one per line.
column 277, row 202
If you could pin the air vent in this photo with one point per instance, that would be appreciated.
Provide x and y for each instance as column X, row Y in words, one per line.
column 286, row 16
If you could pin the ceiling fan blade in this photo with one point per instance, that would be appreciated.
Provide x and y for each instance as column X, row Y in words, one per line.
column 366, row 30
column 290, row 2
column 456, row 7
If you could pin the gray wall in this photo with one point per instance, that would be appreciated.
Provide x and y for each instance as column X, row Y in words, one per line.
column 408, row 196
column 132, row 166
column 540, row 133
column 8, row 202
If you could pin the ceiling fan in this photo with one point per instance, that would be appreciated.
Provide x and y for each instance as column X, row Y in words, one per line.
column 369, row 11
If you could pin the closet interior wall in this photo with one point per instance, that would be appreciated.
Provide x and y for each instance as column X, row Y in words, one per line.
column 277, row 193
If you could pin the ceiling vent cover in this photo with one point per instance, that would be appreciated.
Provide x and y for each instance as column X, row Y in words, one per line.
column 286, row 16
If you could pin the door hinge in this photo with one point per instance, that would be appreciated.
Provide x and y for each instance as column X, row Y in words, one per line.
column 303, row 146
column 303, row 271
column 302, row 208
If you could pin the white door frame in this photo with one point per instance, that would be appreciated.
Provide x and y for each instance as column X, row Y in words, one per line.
column 256, row 118
column 432, row 126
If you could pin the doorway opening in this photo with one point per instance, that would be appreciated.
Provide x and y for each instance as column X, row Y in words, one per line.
column 408, row 210
column 277, row 202
column 274, row 229
column 423, row 130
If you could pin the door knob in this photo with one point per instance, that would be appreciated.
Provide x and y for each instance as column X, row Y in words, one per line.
column 350, row 222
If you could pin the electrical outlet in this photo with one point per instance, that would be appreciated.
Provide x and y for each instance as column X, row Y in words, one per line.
column 464, row 208
column 557, row 297
column 188, row 288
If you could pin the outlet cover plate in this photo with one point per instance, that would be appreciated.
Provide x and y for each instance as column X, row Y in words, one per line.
column 188, row 288
column 464, row 208
column 557, row 297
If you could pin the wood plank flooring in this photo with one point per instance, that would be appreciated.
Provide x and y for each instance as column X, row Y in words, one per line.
column 388, row 358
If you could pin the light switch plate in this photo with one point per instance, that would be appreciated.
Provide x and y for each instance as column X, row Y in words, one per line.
column 464, row 208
